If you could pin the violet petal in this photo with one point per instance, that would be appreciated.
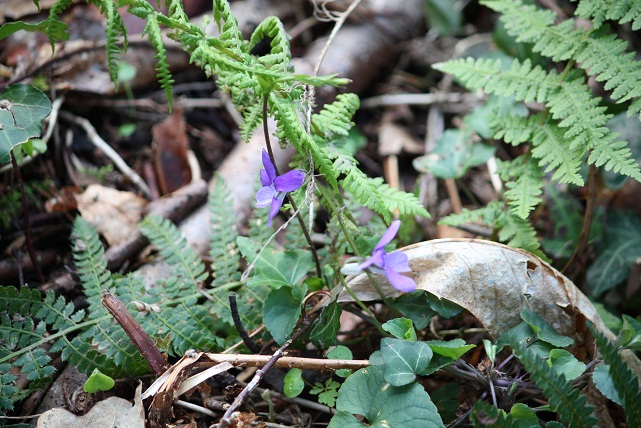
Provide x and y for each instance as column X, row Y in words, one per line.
column 270, row 170
column 276, row 204
column 264, row 196
column 289, row 181
column 397, row 261
column 400, row 282
column 264, row 179
column 376, row 259
column 389, row 234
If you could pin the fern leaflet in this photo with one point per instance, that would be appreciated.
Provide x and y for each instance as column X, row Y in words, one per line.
column 571, row 406
column 152, row 29
column 625, row 382
column 622, row 11
column 524, row 182
column 225, row 257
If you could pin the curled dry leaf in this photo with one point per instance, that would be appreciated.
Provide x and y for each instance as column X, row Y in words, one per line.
column 493, row 282
column 112, row 412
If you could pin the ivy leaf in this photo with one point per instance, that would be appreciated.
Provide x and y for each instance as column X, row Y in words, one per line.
column 281, row 312
column 566, row 364
column 403, row 360
column 401, row 328
column 367, row 393
column 281, row 268
column 453, row 349
column 455, row 153
column 415, row 306
column 22, row 110
column 604, row 383
column 324, row 332
column 544, row 331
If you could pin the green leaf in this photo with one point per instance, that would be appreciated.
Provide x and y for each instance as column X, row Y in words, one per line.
column 403, row 360
column 367, row 393
column 455, row 153
column 279, row 268
column 281, row 312
column 544, row 331
column 443, row 307
column 415, row 306
column 566, row 364
column 453, row 349
column 604, row 383
column 444, row 16
column 294, row 383
column 327, row 393
column 22, row 110
column 524, row 335
column 325, row 329
column 621, row 246
column 525, row 416
column 401, row 328
column 341, row 353
column 630, row 334
column 98, row 382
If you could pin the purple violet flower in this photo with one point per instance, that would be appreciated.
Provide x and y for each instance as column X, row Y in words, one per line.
column 274, row 187
column 391, row 265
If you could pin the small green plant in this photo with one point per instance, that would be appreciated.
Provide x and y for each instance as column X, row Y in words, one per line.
column 572, row 127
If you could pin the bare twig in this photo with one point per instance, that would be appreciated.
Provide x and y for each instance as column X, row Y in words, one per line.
column 107, row 150
column 421, row 99
column 138, row 336
column 321, row 364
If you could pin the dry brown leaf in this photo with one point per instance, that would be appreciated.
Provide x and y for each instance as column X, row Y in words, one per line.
column 493, row 282
column 112, row 412
column 114, row 214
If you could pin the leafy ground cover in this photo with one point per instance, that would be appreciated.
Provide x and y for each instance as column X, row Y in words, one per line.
column 325, row 213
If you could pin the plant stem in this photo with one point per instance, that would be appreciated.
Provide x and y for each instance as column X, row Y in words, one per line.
column 319, row 270
column 25, row 217
column 575, row 266
column 358, row 301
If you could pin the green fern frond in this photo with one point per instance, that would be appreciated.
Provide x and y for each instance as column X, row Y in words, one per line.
column 89, row 257
column 225, row 257
column 621, row 11
column 570, row 101
column 513, row 231
column 486, row 415
column 617, row 157
column 571, row 406
column 55, row 28
column 335, row 119
column 555, row 152
column 182, row 259
column 625, row 381
column 228, row 28
column 280, row 54
column 604, row 56
column 153, row 32
column 524, row 181
column 115, row 31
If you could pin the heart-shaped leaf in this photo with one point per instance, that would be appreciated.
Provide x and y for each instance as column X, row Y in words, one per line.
column 404, row 359
column 367, row 393
column 22, row 110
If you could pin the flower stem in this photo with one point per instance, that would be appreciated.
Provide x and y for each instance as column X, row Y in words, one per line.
column 367, row 310
column 319, row 271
